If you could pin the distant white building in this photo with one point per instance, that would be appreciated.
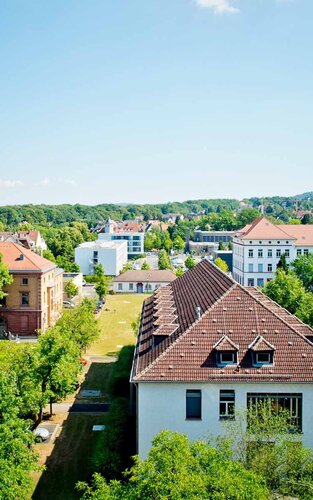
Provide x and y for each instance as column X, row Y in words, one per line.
column 131, row 232
column 258, row 247
column 142, row 281
column 111, row 254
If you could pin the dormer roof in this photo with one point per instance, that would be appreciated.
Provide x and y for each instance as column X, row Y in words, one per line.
column 261, row 345
column 225, row 344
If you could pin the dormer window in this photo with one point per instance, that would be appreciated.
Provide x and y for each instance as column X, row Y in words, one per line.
column 227, row 358
column 226, row 352
column 262, row 352
column 263, row 358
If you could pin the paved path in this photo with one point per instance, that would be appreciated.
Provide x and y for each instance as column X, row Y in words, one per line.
column 78, row 408
column 89, row 408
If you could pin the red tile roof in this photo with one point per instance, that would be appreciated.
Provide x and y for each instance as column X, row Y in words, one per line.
column 185, row 351
column 12, row 253
column 262, row 228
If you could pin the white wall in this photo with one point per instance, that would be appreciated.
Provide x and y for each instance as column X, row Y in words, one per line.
column 163, row 406
column 112, row 259
column 135, row 241
column 126, row 287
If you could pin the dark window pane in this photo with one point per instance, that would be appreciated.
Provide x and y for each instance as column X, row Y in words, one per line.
column 193, row 404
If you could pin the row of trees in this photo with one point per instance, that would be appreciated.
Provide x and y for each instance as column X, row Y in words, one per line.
column 32, row 376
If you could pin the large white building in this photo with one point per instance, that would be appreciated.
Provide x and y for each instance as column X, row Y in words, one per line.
column 258, row 247
column 208, row 348
column 111, row 254
column 131, row 232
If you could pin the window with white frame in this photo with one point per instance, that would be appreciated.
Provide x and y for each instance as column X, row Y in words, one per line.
column 278, row 253
column 227, row 404
column 270, row 253
column 269, row 268
column 260, row 268
column 287, row 252
column 299, row 251
column 250, row 268
column 250, row 281
column 120, row 286
column 250, row 253
column 227, row 357
column 288, row 402
column 306, row 251
column 260, row 253
column 131, row 286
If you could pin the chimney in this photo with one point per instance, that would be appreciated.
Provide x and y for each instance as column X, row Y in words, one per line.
column 198, row 313
column 21, row 257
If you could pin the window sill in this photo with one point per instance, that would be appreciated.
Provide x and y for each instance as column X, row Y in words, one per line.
column 191, row 419
column 223, row 419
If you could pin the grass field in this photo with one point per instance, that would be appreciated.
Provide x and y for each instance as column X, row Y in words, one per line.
column 115, row 323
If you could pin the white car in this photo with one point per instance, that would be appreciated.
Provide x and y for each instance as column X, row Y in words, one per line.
column 41, row 433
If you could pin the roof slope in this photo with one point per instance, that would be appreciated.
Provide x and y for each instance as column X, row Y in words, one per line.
column 186, row 351
column 263, row 228
column 12, row 252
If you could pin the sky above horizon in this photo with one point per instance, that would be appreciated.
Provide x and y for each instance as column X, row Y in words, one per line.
column 149, row 101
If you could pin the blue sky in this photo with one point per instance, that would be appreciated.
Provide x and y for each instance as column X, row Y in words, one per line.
column 155, row 100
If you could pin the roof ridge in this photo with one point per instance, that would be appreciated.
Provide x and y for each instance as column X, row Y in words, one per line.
column 278, row 316
column 176, row 341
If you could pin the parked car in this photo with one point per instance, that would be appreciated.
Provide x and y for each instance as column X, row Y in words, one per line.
column 68, row 304
column 84, row 283
column 41, row 434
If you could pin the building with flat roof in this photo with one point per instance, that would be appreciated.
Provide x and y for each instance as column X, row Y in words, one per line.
column 111, row 254
column 131, row 232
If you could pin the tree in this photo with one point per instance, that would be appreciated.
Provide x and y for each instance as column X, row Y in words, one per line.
column 102, row 281
column 303, row 267
column 177, row 468
column 47, row 254
column 17, row 458
column 164, row 261
column 190, row 262
column 57, row 366
column 145, row 266
column 5, row 277
column 71, row 289
column 282, row 264
column 126, row 267
column 268, row 445
column 80, row 325
column 221, row 264
column 179, row 271
column 179, row 243
column 287, row 290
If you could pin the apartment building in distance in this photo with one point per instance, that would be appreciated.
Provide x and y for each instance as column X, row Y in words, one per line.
column 31, row 239
column 131, row 232
column 34, row 300
column 258, row 247
column 112, row 255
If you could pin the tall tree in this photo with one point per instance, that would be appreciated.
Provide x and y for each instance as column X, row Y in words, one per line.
column 164, row 260
column 5, row 277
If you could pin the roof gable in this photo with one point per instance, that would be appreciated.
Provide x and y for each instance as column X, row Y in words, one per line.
column 262, row 228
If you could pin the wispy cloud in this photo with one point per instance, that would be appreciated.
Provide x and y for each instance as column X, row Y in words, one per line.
column 6, row 183
column 218, row 6
column 59, row 181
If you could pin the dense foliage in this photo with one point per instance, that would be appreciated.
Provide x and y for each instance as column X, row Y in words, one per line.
column 177, row 468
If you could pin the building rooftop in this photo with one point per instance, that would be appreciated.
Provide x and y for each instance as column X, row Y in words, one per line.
column 102, row 244
column 262, row 228
column 151, row 276
column 18, row 258
column 183, row 324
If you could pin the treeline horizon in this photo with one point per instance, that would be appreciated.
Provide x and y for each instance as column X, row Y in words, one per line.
column 42, row 214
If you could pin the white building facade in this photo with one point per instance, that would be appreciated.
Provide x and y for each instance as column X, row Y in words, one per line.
column 111, row 254
column 156, row 402
column 142, row 281
column 257, row 249
column 135, row 239
column 208, row 349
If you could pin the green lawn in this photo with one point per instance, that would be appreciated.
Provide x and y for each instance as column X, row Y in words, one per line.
column 115, row 323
